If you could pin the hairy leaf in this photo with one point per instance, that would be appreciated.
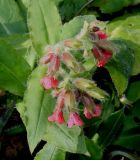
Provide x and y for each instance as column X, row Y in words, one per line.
column 50, row 152
column 73, row 27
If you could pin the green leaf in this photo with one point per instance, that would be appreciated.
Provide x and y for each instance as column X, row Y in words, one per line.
column 113, row 5
column 128, row 28
column 110, row 128
column 39, row 103
column 68, row 139
column 22, row 43
column 94, row 149
column 44, row 24
column 133, row 91
column 11, row 20
column 73, row 27
column 50, row 152
column 120, row 67
column 13, row 68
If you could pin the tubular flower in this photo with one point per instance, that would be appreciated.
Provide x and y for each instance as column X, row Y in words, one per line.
column 47, row 58
column 54, row 64
column 101, row 35
column 57, row 117
column 89, row 106
column 94, row 112
column 74, row 119
column 102, row 56
column 60, row 100
column 49, row 82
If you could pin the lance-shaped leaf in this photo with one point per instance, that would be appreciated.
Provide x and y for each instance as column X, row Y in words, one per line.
column 44, row 23
column 50, row 152
column 90, row 88
column 14, row 69
column 39, row 104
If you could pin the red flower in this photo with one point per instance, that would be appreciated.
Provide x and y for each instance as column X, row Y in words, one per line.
column 102, row 56
column 57, row 117
column 101, row 34
column 49, row 82
column 93, row 113
column 74, row 119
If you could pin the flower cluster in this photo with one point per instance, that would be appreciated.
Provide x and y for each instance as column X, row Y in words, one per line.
column 102, row 55
column 74, row 88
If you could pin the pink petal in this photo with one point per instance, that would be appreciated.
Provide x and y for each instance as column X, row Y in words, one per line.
column 98, row 111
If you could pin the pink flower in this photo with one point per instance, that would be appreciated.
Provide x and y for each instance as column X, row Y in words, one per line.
column 74, row 119
column 49, row 82
column 57, row 117
column 93, row 113
column 101, row 34
column 47, row 58
column 102, row 56
column 54, row 64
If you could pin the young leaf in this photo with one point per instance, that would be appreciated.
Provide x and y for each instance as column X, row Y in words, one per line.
column 13, row 68
column 50, row 152
column 44, row 24
column 73, row 27
column 11, row 20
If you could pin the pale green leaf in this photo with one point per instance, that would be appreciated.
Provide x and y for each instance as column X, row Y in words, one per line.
column 68, row 139
column 50, row 152
column 44, row 24
column 73, row 27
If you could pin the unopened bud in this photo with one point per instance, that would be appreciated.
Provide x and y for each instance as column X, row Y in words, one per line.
column 90, row 88
column 73, row 43
column 71, row 62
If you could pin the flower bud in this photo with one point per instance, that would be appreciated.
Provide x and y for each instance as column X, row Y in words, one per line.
column 90, row 88
column 73, row 43
column 70, row 101
column 54, row 64
column 47, row 58
column 71, row 62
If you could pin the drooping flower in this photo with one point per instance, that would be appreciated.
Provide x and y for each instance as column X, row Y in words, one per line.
column 94, row 112
column 74, row 119
column 49, row 82
column 54, row 64
column 102, row 56
column 47, row 58
column 60, row 100
column 57, row 117
column 101, row 35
